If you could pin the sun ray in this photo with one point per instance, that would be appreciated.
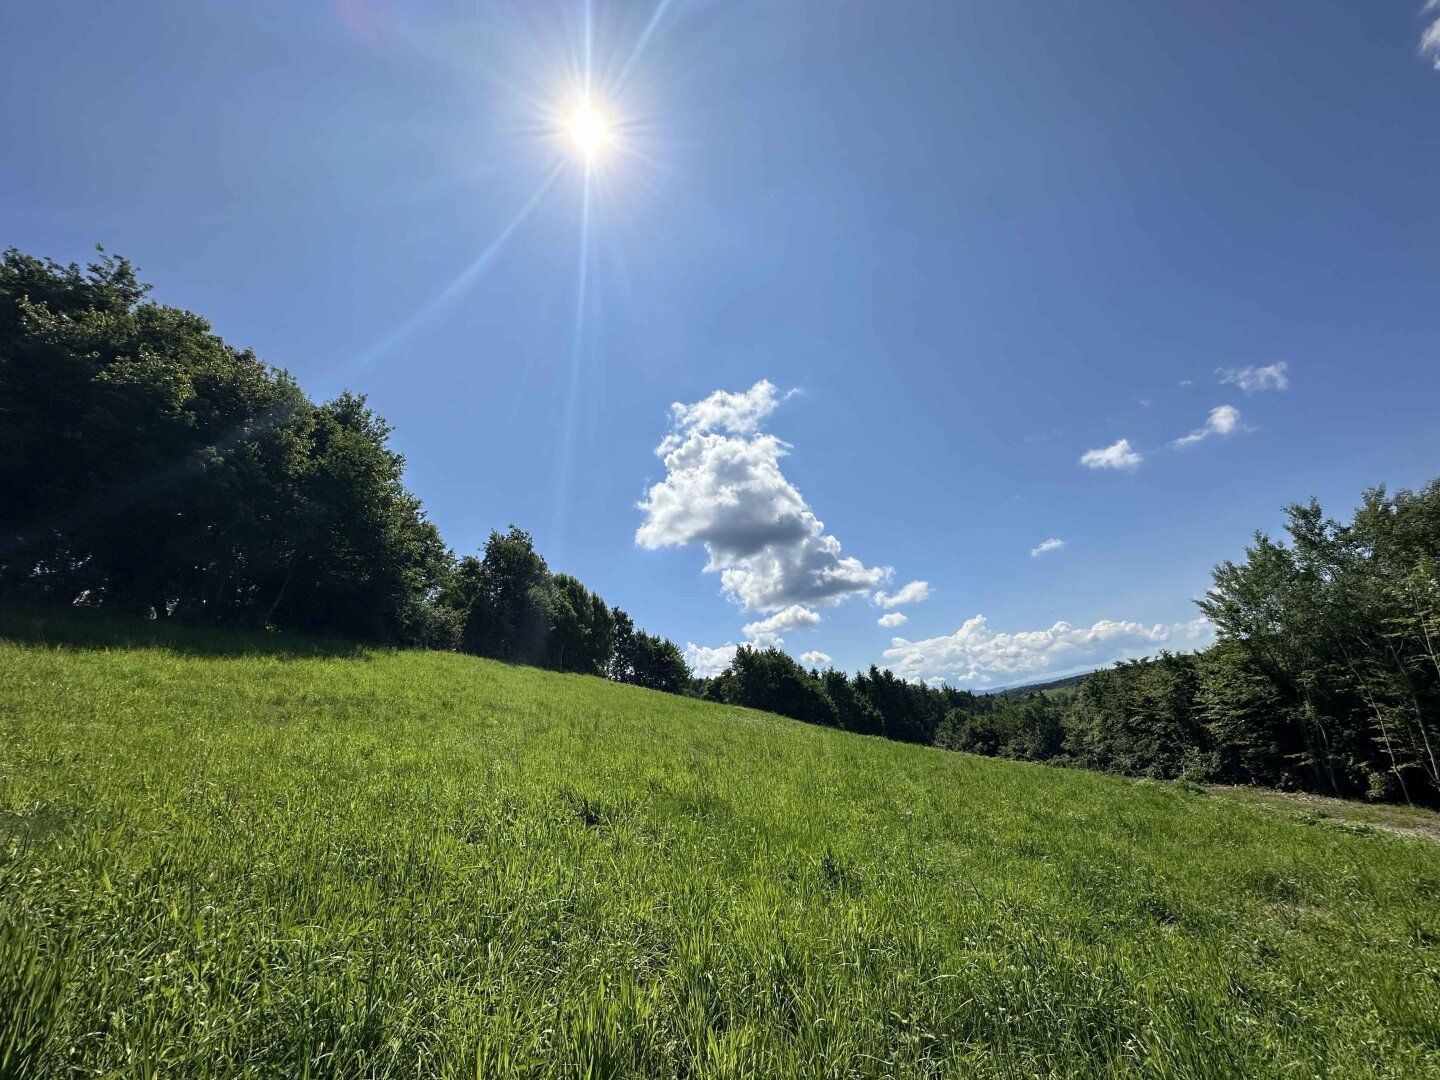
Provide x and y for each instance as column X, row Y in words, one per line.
column 577, row 357
column 462, row 280
column 589, row 47
column 641, row 42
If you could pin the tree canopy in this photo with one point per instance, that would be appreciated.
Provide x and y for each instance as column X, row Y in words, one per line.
column 151, row 469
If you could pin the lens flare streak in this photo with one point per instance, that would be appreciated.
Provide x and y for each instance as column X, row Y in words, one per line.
column 577, row 353
column 462, row 281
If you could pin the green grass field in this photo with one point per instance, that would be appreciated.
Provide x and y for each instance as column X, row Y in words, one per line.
column 220, row 857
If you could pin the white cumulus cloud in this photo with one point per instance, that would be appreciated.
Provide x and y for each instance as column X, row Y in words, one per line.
column 910, row 593
column 1253, row 379
column 739, row 413
column 724, row 488
column 1223, row 420
column 893, row 619
column 978, row 655
column 766, row 632
column 1046, row 546
column 1118, row 455
column 814, row 659
column 706, row 662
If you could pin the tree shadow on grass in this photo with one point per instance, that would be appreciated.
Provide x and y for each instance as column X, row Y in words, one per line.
column 91, row 630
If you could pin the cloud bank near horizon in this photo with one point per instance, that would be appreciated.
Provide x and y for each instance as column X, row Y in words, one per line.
column 976, row 655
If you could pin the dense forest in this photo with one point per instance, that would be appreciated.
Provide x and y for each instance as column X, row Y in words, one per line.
column 150, row 469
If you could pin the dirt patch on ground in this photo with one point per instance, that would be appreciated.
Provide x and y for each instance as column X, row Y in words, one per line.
column 1323, row 810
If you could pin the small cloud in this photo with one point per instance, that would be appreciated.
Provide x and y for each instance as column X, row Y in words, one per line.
column 1145, row 403
column 895, row 618
column 1118, row 455
column 1045, row 546
column 1223, row 420
column 706, row 662
column 911, row 593
column 815, row 658
column 766, row 632
column 1186, row 382
column 1255, row 379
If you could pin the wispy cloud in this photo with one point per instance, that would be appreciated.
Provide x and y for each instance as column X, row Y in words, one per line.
column 1254, row 379
column 1223, row 420
column 1430, row 36
column 1118, row 455
column 1046, row 546
column 911, row 593
column 893, row 619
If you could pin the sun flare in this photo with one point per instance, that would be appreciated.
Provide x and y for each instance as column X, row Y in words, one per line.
column 588, row 129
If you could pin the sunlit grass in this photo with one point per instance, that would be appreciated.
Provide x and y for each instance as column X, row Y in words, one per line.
column 224, row 858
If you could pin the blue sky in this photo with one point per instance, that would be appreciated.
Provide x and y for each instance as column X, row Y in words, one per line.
column 935, row 253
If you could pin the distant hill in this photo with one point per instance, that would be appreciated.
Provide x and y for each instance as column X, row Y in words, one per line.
column 236, row 855
column 1039, row 687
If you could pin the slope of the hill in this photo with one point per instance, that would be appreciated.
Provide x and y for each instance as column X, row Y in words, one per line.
column 226, row 858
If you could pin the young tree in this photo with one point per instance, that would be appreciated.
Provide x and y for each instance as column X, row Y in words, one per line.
column 508, row 593
column 769, row 679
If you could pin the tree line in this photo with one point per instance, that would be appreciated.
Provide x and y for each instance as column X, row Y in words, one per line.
column 1325, row 676
column 151, row 469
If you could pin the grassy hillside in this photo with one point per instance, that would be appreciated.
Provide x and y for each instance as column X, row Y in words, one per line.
column 1049, row 686
column 220, row 857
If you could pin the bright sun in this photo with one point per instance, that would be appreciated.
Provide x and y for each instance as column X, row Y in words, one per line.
column 588, row 130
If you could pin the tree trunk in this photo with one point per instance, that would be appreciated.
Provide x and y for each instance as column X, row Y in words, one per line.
column 289, row 573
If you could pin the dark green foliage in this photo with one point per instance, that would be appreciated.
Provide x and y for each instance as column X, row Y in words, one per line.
column 872, row 703
column 854, row 711
column 769, row 679
column 1331, row 676
column 912, row 713
column 504, row 599
column 1025, row 728
column 1139, row 718
column 150, row 469
column 511, row 607
column 643, row 659
column 582, row 628
column 1248, row 721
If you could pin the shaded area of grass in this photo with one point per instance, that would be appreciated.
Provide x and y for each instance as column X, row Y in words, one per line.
column 220, row 862
column 81, row 629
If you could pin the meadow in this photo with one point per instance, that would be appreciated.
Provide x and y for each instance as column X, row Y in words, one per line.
column 231, row 855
